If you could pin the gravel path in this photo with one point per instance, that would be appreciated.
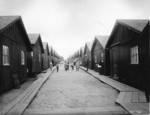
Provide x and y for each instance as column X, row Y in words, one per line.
column 73, row 89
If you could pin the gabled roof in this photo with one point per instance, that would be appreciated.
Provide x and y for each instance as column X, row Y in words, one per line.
column 5, row 21
column 82, row 49
column 102, row 39
column 138, row 25
column 45, row 45
column 50, row 49
column 89, row 45
column 33, row 39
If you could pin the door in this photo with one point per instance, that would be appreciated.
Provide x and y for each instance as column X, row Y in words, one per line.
column 114, row 62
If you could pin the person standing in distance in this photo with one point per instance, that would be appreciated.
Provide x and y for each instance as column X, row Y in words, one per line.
column 57, row 67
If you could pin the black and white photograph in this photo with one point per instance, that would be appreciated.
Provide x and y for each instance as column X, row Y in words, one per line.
column 74, row 57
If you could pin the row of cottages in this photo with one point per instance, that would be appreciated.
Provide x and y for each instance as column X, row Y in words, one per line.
column 127, row 52
column 55, row 57
column 14, row 48
column 81, row 55
column 124, row 55
column 35, row 61
column 76, row 58
column 22, row 55
column 50, row 53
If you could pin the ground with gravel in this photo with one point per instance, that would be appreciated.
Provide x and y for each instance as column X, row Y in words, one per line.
column 74, row 89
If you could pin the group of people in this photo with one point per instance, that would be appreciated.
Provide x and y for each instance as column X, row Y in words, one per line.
column 66, row 66
column 72, row 65
column 51, row 66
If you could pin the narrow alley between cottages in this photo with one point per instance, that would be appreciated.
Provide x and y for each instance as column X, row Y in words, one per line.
column 74, row 92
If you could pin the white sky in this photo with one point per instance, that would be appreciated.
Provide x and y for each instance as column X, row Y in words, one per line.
column 67, row 24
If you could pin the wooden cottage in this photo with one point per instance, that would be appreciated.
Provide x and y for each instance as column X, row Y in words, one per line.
column 45, row 56
column 128, row 52
column 14, row 45
column 55, row 57
column 50, row 54
column 82, row 56
column 87, row 54
column 35, row 62
column 98, row 53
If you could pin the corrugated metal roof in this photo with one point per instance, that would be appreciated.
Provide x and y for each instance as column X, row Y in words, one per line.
column 102, row 39
column 6, row 20
column 136, row 24
column 33, row 38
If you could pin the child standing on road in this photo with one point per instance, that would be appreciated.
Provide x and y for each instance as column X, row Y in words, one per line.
column 57, row 67
column 77, row 68
column 51, row 66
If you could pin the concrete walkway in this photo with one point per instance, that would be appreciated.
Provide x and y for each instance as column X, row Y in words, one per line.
column 20, row 103
column 132, row 99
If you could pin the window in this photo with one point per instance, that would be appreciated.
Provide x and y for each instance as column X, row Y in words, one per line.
column 134, row 55
column 32, row 54
column 22, row 58
column 102, row 57
column 5, row 55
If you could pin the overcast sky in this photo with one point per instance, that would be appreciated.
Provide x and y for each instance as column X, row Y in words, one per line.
column 67, row 24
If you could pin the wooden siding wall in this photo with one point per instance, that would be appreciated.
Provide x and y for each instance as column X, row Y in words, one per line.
column 36, row 64
column 97, row 50
column 83, row 59
column 107, row 62
column 143, row 42
column 120, row 54
column 149, row 53
column 120, row 64
column 29, row 64
column 13, row 37
column 1, row 77
column 88, row 58
column 45, row 59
